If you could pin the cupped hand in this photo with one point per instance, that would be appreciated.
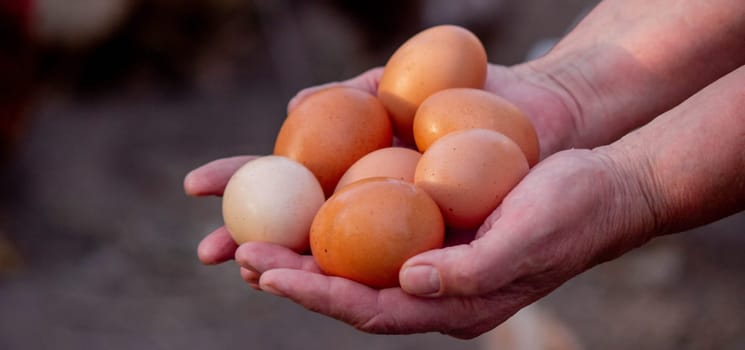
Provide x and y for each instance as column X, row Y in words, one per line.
column 562, row 219
column 572, row 211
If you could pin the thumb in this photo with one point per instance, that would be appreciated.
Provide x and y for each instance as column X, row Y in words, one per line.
column 482, row 266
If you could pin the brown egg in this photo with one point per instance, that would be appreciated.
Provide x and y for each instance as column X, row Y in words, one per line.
column 332, row 129
column 438, row 58
column 367, row 230
column 395, row 162
column 456, row 109
column 469, row 172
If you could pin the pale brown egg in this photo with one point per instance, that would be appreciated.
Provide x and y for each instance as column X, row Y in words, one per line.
column 394, row 162
column 469, row 172
column 438, row 58
column 272, row 199
column 462, row 108
column 331, row 129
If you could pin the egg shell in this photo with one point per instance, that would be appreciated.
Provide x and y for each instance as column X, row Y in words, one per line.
column 395, row 162
column 438, row 58
column 463, row 108
column 272, row 199
column 331, row 129
column 367, row 230
column 469, row 172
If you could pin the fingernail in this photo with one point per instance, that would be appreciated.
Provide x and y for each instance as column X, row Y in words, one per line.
column 271, row 289
column 421, row 280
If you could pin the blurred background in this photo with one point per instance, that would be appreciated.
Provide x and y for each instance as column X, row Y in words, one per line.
column 106, row 104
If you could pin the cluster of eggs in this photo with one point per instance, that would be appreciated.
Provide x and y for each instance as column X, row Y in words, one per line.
column 336, row 184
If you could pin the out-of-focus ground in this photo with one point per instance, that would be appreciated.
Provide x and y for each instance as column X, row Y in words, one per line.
column 97, row 239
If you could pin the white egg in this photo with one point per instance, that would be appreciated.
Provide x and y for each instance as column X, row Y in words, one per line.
column 272, row 199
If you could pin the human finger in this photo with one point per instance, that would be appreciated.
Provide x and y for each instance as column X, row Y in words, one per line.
column 479, row 267
column 262, row 256
column 210, row 179
column 217, row 247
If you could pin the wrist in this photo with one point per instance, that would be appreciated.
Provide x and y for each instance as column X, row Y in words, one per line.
column 637, row 190
column 688, row 165
column 623, row 68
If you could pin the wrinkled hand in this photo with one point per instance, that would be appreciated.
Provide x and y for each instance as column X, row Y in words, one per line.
column 559, row 221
